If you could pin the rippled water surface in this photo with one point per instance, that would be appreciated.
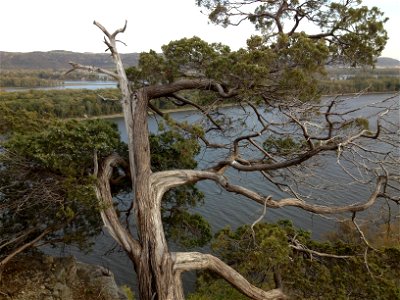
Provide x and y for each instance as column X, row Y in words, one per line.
column 222, row 208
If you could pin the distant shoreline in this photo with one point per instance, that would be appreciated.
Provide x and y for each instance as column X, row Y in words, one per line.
column 188, row 109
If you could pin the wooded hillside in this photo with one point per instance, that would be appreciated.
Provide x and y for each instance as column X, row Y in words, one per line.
column 59, row 60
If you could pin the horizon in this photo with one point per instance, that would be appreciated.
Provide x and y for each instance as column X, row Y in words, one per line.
column 151, row 24
column 71, row 51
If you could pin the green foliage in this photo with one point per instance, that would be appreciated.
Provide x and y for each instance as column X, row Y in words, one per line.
column 188, row 55
column 20, row 122
column 254, row 67
column 150, row 69
column 61, row 103
column 68, row 147
column 167, row 146
column 25, row 79
column 362, row 123
column 189, row 230
column 282, row 146
column 283, row 62
column 128, row 292
column 210, row 288
column 350, row 33
column 260, row 254
column 46, row 181
column 370, row 83
column 172, row 150
column 63, row 151
column 250, row 250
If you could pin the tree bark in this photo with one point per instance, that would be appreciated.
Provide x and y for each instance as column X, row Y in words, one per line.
column 154, row 266
column 186, row 261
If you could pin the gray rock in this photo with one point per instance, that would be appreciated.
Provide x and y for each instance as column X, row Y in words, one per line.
column 49, row 278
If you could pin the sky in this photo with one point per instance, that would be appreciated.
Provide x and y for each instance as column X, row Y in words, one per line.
column 44, row 25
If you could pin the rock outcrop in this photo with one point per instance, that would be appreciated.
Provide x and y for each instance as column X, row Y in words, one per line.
column 40, row 277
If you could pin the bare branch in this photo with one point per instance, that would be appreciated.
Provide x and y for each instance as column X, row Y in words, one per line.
column 108, row 213
column 201, row 109
column 366, row 263
column 18, row 238
column 107, row 99
column 179, row 125
column 303, row 128
column 300, row 247
column 76, row 66
column 259, row 219
column 329, row 145
column 24, row 247
column 364, row 239
column 187, row 261
column 157, row 91
column 166, row 180
column 110, row 36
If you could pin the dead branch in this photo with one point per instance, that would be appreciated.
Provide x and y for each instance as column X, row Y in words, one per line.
column 259, row 219
column 362, row 235
column 23, row 247
column 185, row 101
column 108, row 213
column 158, row 91
column 91, row 69
column 300, row 247
column 166, row 180
column 188, row 261
column 18, row 238
column 107, row 99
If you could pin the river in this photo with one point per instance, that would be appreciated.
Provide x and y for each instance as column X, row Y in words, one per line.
column 72, row 84
column 222, row 208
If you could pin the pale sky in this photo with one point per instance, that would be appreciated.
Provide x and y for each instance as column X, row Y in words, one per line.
column 43, row 25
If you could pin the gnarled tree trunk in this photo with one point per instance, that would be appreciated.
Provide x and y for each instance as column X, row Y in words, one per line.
column 158, row 269
column 154, row 265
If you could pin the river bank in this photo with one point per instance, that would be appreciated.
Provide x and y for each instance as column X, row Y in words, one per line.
column 227, row 105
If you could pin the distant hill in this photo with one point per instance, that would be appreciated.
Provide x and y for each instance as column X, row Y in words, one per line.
column 387, row 62
column 58, row 60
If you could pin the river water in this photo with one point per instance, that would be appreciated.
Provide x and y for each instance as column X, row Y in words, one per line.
column 222, row 208
column 68, row 85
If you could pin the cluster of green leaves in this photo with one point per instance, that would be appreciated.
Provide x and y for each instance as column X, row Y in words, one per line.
column 68, row 148
column 284, row 146
column 173, row 150
column 367, row 36
column 46, row 180
column 258, row 255
column 358, row 123
column 354, row 33
column 11, row 122
column 61, row 103
column 256, row 67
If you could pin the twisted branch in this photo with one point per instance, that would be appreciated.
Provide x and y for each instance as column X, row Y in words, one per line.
column 188, row 261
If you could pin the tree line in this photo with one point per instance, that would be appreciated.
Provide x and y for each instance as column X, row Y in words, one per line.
column 63, row 103
column 42, row 78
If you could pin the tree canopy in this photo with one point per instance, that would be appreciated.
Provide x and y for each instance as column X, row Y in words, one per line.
column 349, row 32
